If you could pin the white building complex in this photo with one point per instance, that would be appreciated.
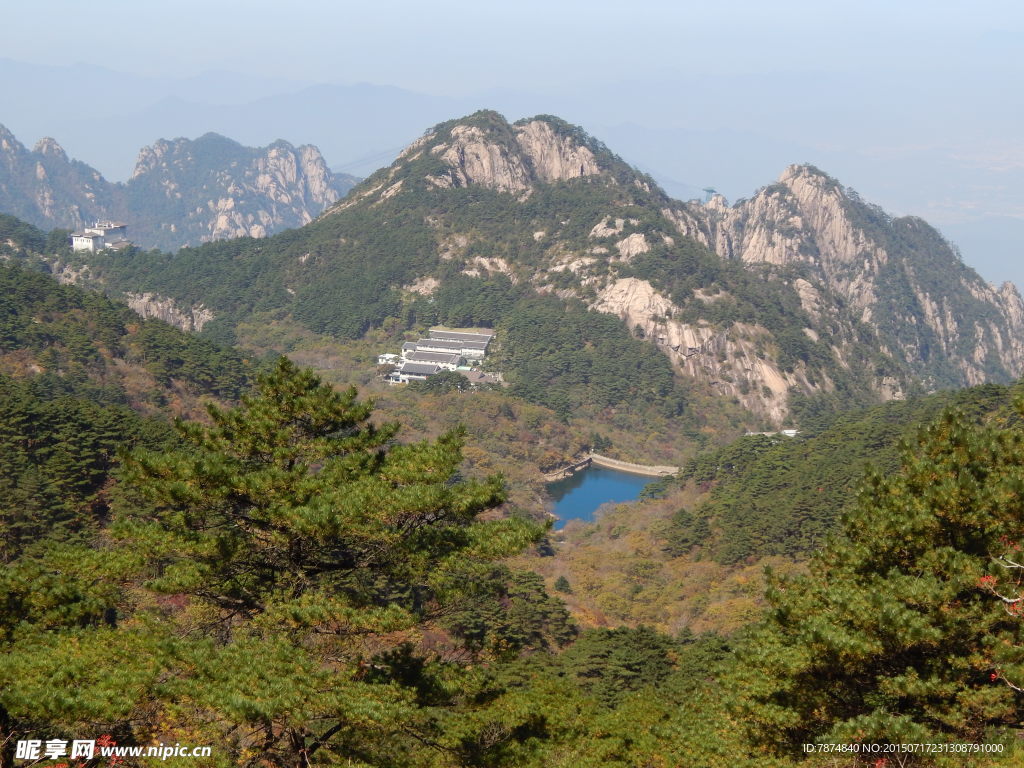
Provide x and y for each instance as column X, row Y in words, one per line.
column 442, row 350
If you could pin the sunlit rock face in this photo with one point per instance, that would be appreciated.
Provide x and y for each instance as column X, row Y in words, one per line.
column 215, row 189
column 898, row 274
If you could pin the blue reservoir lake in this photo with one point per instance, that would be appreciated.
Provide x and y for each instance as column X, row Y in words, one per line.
column 578, row 497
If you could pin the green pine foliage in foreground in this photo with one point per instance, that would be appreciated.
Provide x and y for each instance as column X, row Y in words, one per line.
column 892, row 635
column 291, row 585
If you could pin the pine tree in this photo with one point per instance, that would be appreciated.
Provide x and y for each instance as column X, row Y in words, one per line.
column 892, row 635
column 310, row 551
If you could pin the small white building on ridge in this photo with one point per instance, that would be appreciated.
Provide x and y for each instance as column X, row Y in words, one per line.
column 101, row 235
column 86, row 241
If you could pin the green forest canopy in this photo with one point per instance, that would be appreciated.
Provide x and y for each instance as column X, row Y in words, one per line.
column 288, row 582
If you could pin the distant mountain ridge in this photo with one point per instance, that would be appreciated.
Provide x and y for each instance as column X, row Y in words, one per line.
column 182, row 192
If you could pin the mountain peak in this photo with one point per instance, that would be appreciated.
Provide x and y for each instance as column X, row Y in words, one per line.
column 182, row 191
column 898, row 276
column 8, row 141
column 212, row 137
column 805, row 172
column 49, row 147
column 485, row 150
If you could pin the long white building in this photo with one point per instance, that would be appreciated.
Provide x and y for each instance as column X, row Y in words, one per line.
column 446, row 360
column 471, row 344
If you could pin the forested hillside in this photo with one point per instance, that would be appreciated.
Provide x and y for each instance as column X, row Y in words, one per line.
column 774, row 495
column 296, row 574
column 57, row 452
column 82, row 378
column 69, row 339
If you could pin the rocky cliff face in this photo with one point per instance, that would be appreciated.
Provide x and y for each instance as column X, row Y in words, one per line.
column 162, row 308
column 43, row 186
column 898, row 276
column 738, row 362
column 484, row 150
column 188, row 192
column 471, row 158
column 752, row 364
column 554, row 156
column 538, row 154
column 146, row 304
column 182, row 192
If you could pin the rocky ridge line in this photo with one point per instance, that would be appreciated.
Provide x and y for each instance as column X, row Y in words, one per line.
column 182, row 192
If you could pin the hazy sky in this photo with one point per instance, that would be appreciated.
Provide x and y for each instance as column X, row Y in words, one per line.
column 916, row 104
column 454, row 46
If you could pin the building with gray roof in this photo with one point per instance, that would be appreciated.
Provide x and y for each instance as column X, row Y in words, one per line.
column 407, row 372
column 447, row 360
